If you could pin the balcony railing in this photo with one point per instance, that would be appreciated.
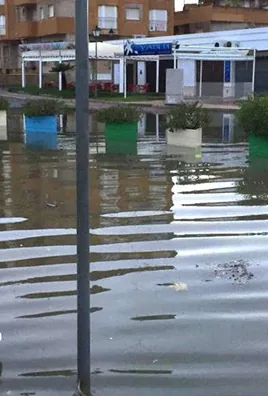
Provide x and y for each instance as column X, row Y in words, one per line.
column 107, row 23
column 157, row 26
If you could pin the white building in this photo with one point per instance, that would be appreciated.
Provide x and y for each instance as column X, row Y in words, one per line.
column 213, row 72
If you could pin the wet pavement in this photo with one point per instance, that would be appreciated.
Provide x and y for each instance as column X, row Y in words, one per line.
column 178, row 267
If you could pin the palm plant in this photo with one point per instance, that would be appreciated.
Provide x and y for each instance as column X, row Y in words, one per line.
column 62, row 68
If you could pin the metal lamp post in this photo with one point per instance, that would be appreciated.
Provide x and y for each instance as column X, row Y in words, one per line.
column 82, row 197
column 96, row 35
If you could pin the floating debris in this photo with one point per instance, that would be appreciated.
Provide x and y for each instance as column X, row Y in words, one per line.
column 179, row 286
column 236, row 271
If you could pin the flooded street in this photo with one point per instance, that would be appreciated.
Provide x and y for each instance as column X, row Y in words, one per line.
column 178, row 267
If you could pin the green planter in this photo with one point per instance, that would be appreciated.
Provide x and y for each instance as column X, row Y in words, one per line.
column 121, row 138
column 126, row 132
column 258, row 146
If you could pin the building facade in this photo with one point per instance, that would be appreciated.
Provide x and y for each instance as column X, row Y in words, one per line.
column 221, row 15
column 54, row 20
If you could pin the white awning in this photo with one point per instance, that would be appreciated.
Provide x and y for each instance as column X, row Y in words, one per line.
column 211, row 53
column 104, row 51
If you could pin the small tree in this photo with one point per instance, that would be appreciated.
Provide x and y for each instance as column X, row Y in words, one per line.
column 62, row 68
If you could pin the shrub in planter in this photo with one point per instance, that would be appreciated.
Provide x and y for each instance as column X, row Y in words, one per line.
column 252, row 117
column 120, row 122
column 41, row 115
column 184, row 123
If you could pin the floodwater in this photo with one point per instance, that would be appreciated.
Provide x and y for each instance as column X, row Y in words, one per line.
column 178, row 267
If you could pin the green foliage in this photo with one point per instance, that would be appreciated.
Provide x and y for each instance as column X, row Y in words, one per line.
column 61, row 67
column 53, row 91
column 186, row 116
column 118, row 115
column 4, row 104
column 42, row 107
column 252, row 116
column 233, row 3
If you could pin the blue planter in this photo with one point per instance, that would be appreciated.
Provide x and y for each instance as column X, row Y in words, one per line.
column 44, row 124
column 41, row 140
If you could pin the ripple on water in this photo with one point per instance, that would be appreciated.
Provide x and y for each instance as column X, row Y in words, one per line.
column 157, row 224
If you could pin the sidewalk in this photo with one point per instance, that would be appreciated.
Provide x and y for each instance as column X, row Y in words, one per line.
column 146, row 106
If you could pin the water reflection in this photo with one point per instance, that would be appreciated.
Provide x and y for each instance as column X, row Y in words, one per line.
column 221, row 130
column 168, row 232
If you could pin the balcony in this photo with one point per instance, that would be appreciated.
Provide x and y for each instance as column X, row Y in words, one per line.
column 25, row 29
column 18, row 3
column 107, row 23
column 211, row 13
column 52, row 26
column 157, row 26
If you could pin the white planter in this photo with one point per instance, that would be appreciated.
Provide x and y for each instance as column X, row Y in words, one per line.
column 185, row 138
column 3, row 125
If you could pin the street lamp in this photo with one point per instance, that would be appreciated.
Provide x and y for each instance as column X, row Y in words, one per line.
column 96, row 34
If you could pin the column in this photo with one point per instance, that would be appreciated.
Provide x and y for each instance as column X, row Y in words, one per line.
column 23, row 74
column 121, row 75
column 229, row 79
column 157, row 76
column 60, row 79
column 40, row 73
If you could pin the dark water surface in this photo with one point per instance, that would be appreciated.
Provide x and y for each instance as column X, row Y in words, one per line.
column 179, row 268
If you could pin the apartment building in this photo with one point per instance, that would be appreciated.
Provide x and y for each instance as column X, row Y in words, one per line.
column 53, row 20
column 209, row 16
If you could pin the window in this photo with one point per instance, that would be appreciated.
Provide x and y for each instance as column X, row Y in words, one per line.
column 158, row 20
column 51, row 11
column 133, row 13
column 2, row 2
column 42, row 14
column 17, row 14
column 107, row 17
column 2, row 25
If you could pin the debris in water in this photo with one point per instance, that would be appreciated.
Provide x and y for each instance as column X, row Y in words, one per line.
column 179, row 286
column 176, row 286
column 236, row 271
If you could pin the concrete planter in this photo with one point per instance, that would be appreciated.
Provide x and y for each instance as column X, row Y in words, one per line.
column 3, row 125
column 185, row 138
column 44, row 124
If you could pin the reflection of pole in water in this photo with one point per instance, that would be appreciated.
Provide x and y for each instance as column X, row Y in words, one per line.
column 227, row 128
column 157, row 127
column 141, row 126
column 61, row 122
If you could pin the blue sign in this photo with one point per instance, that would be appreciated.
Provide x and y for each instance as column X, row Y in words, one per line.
column 133, row 49
column 227, row 71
